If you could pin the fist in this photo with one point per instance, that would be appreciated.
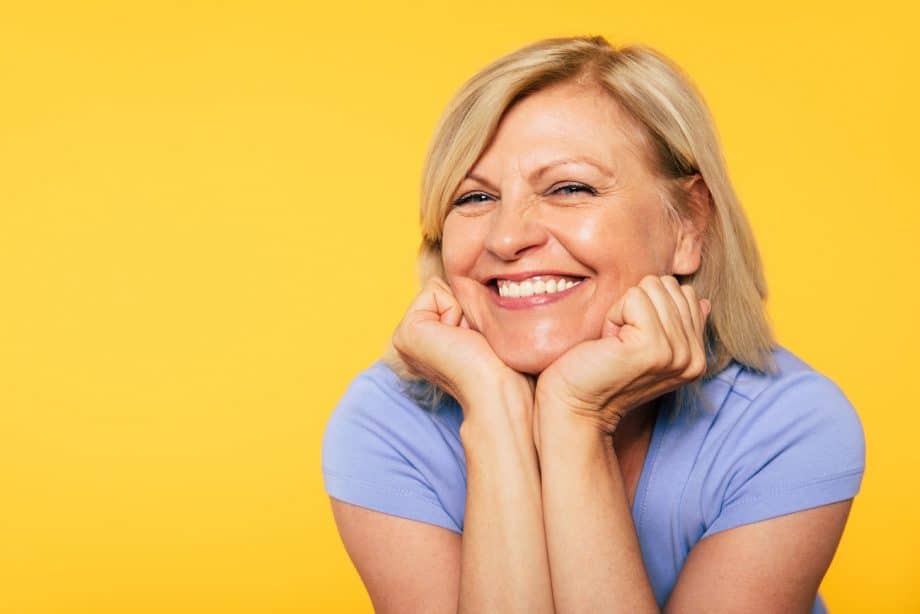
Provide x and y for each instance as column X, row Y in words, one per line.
column 436, row 342
column 652, row 342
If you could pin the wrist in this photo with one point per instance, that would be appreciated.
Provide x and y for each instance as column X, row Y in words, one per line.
column 554, row 413
column 565, row 437
column 501, row 405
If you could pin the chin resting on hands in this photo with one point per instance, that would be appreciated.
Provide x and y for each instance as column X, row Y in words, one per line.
column 652, row 342
column 436, row 342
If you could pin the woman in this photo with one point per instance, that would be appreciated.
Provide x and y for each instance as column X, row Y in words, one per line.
column 587, row 389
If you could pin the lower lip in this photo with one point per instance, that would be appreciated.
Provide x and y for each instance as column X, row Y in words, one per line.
column 524, row 302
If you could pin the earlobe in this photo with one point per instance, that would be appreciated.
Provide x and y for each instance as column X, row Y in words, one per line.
column 687, row 253
column 693, row 227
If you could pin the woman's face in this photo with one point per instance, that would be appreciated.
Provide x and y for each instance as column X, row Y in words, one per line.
column 563, row 195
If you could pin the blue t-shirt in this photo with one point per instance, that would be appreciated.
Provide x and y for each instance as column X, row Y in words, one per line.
column 756, row 447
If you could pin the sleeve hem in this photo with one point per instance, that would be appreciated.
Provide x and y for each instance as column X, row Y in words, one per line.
column 781, row 502
column 405, row 503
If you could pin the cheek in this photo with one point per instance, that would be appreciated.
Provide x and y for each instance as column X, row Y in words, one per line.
column 623, row 248
column 455, row 249
column 460, row 250
column 589, row 232
column 608, row 243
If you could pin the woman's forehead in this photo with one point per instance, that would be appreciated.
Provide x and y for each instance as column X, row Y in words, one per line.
column 539, row 165
column 562, row 127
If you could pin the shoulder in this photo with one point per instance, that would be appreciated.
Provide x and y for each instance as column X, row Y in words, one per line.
column 377, row 400
column 794, row 400
column 780, row 442
column 383, row 451
column 377, row 409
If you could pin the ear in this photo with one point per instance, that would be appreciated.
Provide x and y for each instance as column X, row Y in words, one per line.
column 692, row 228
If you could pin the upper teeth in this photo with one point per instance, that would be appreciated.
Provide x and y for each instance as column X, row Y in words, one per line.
column 534, row 285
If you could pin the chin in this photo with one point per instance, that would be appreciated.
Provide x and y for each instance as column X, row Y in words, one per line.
column 530, row 351
column 528, row 359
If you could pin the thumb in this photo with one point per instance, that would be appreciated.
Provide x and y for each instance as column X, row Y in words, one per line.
column 436, row 302
column 447, row 307
column 610, row 329
column 622, row 312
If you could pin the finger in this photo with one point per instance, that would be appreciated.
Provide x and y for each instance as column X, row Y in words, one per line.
column 436, row 302
column 609, row 329
column 670, row 317
column 690, row 295
column 634, row 310
column 665, row 306
column 641, row 327
column 447, row 307
column 697, row 365
column 685, row 298
column 682, row 304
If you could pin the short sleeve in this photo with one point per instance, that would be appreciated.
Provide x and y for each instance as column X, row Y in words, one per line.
column 379, row 451
column 799, row 444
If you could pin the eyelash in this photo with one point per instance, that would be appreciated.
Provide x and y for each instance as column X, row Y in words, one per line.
column 582, row 187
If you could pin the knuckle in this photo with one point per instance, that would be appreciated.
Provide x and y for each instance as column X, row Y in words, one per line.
column 401, row 347
column 661, row 356
column 697, row 368
column 632, row 293
column 682, row 360
column 649, row 280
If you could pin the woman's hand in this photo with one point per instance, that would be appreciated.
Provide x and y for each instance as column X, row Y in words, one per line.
column 435, row 340
column 651, row 343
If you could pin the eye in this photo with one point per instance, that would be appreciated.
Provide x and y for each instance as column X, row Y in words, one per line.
column 472, row 197
column 574, row 188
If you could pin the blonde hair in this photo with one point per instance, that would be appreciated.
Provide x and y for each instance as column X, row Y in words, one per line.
column 681, row 141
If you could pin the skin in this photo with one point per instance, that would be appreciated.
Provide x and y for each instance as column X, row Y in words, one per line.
column 518, row 219
column 559, row 399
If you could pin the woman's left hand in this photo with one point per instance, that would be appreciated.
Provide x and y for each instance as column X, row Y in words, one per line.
column 651, row 343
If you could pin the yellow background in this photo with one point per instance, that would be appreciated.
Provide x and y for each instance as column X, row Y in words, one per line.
column 208, row 227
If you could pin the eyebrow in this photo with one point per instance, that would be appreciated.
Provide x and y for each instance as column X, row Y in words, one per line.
column 535, row 175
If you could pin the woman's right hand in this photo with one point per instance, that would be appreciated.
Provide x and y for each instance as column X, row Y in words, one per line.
column 436, row 342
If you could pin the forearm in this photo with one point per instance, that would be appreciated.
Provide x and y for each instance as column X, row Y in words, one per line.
column 591, row 540
column 504, row 560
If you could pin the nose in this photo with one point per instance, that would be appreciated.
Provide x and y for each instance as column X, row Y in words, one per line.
column 515, row 227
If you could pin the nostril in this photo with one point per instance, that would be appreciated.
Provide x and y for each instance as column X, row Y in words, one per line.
column 512, row 233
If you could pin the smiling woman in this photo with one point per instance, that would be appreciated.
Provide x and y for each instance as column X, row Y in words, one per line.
column 584, row 408
column 600, row 230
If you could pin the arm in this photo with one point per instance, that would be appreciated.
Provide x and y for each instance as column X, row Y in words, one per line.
column 592, row 543
column 774, row 565
column 505, row 564
column 652, row 343
column 499, row 564
column 406, row 566
column 771, row 566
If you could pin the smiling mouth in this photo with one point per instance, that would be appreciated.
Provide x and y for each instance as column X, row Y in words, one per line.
column 537, row 285
column 531, row 292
